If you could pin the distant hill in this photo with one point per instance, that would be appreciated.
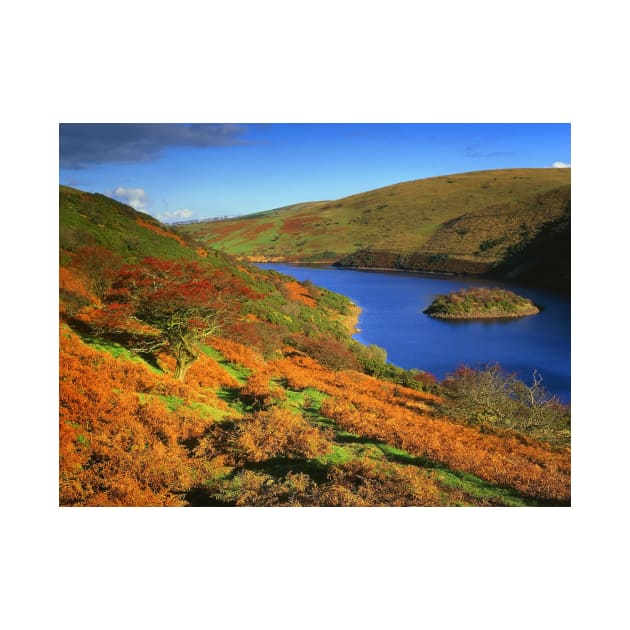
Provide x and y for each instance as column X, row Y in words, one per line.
column 467, row 223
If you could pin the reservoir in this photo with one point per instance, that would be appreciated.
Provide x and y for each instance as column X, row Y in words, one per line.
column 391, row 317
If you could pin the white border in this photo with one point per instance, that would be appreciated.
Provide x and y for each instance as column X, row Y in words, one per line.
column 324, row 62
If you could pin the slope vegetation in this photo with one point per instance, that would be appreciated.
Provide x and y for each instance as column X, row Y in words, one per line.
column 94, row 219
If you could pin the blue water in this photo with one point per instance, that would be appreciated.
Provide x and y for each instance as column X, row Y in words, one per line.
column 392, row 317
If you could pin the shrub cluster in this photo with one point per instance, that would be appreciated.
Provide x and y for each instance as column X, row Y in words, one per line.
column 490, row 397
column 480, row 302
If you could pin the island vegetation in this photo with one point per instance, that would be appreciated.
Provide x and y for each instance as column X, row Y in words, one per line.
column 481, row 303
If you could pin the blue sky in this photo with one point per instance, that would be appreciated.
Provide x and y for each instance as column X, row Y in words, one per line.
column 192, row 171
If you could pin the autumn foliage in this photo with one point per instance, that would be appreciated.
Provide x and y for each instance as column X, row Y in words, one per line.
column 369, row 483
column 120, row 444
column 72, row 286
column 298, row 293
column 171, row 305
column 278, row 432
column 162, row 232
column 99, row 266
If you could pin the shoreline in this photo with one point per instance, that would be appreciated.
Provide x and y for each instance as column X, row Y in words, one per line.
column 483, row 315
column 304, row 263
column 351, row 320
column 450, row 274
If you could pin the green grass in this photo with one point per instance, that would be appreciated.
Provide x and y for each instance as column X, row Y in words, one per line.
column 206, row 411
column 118, row 352
column 231, row 397
column 239, row 372
column 480, row 489
column 338, row 455
column 297, row 399
column 173, row 403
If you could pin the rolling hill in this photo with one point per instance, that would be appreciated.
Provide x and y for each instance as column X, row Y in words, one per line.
column 470, row 223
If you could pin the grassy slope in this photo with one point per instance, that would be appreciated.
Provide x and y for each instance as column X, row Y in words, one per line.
column 93, row 219
column 458, row 215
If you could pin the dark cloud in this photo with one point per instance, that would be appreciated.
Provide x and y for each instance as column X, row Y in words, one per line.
column 82, row 145
column 473, row 152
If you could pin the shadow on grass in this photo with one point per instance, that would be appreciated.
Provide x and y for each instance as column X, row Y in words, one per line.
column 477, row 487
column 151, row 359
column 406, row 458
column 280, row 467
column 348, row 438
column 114, row 344
column 200, row 497
column 468, row 482
column 228, row 395
column 392, row 454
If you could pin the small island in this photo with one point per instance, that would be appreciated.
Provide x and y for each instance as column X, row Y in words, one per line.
column 481, row 303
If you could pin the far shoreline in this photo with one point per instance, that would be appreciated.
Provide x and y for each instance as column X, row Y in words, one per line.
column 325, row 263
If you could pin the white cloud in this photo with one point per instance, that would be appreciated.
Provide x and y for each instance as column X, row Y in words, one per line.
column 176, row 215
column 560, row 165
column 134, row 197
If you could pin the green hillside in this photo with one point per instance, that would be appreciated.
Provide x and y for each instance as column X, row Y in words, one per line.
column 464, row 223
column 87, row 219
